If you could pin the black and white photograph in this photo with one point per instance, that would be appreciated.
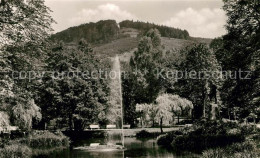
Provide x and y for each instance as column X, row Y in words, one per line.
column 129, row 78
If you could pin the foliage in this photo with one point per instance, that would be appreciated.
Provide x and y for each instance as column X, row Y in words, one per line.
column 129, row 102
column 144, row 134
column 190, row 142
column 24, row 27
column 163, row 111
column 143, row 65
column 166, row 139
column 146, row 112
column 15, row 150
column 164, row 30
column 100, row 32
column 19, row 23
column 36, row 141
column 236, row 150
column 247, row 129
column 211, row 128
column 180, row 106
column 209, row 134
column 239, row 51
column 23, row 117
column 69, row 94
column 4, row 119
column 142, row 85
column 198, row 60
column 169, row 105
column 46, row 140
column 166, row 106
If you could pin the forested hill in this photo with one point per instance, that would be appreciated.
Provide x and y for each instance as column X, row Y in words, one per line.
column 107, row 30
column 100, row 32
column 164, row 30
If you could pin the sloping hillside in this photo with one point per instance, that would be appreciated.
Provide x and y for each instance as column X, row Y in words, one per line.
column 118, row 46
column 100, row 32
column 173, row 43
column 107, row 39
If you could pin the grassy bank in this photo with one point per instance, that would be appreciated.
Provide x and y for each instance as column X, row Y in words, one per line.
column 215, row 139
column 247, row 149
column 36, row 143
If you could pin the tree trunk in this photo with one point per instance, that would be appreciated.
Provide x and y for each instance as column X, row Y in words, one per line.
column 229, row 113
column 142, row 123
column 205, row 97
column 70, row 122
column 161, row 122
column 178, row 119
column 204, row 105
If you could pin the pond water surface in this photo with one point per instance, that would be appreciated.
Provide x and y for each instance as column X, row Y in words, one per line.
column 145, row 148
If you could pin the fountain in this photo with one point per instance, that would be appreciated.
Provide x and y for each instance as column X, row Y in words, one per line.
column 116, row 111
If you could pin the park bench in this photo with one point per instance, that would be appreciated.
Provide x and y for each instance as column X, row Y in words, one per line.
column 9, row 129
column 111, row 126
column 94, row 127
column 126, row 126
column 188, row 125
column 94, row 144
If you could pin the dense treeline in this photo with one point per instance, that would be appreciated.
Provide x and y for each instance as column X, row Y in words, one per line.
column 25, row 102
column 238, row 51
column 22, row 48
column 164, row 30
column 102, row 31
column 70, row 95
column 28, row 101
column 152, row 74
column 226, row 81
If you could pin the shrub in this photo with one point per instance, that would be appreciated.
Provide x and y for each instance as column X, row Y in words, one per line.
column 166, row 139
column 247, row 129
column 214, row 127
column 144, row 134
column 15, row 151
column 236, row 150
column 45, row 140
column 197, row 143
column 216, row 153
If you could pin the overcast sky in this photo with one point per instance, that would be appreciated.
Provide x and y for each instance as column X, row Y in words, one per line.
column 202, row 18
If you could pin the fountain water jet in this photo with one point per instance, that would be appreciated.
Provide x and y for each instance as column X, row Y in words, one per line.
column 116, row 111
column 116, row 96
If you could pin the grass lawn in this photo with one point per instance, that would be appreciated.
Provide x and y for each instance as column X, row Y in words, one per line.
column 132, row 132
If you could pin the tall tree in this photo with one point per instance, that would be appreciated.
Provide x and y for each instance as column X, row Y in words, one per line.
column 71, row 92
column 240, row 52
column 24, row 27
column 180, row 106
column 166, row 106
column 142, row 85
column 198, row 77
column 144, row 64
column 163, row 112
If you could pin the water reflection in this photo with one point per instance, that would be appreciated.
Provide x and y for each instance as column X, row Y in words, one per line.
column 135, row 148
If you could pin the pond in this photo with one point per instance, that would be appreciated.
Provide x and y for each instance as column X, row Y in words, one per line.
column 141, row 148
